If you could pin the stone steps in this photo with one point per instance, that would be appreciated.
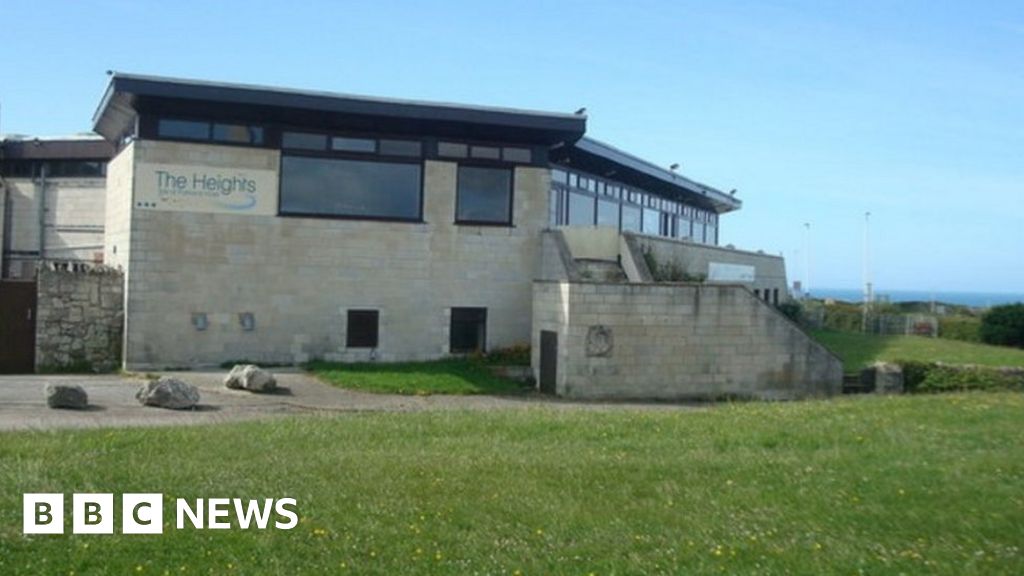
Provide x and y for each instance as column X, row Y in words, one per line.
column 600, row 270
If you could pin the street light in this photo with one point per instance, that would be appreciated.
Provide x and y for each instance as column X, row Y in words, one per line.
column 807, row 259
column 866, row 273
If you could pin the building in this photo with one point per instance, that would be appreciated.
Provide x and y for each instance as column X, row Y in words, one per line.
column 277, row 225
column 52, row 195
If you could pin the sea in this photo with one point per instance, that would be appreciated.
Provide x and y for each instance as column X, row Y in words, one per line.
column 974, row 299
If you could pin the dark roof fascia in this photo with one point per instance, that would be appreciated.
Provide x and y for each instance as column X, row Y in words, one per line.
column 647, row 175
column 56, row 149
column 129, row 90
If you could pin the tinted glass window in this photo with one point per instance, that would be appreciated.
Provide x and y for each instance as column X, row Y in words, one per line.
column 353, row 144
column 522, row 155
column 240, row 133
column 303, row 141
column 487, row 152
column 401, row 148
column 607, row 213
column 485, row 195
column 651, row 221
column 358, row 188
column 630, row 218
column 452, row 149
column 186, row 129
column 362, row 329
column 468, row 330
column 581, row 210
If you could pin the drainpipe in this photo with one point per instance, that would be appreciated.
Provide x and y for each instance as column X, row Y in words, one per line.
column 41, row 190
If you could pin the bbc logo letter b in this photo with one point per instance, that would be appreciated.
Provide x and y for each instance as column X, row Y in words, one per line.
column 43, row 513
column 92, row 514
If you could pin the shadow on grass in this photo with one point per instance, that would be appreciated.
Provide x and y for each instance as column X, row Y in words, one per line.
column 449, row 376
column 856, row 350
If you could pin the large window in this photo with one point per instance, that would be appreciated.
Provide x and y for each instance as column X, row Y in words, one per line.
column 351, row 188
column 468, row 330
column 607, row 213
column 581, row 210
column 176, row 129
column 484, row 195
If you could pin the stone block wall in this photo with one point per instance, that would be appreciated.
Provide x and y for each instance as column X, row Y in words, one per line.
column 298, row 277
column 677, row 342
column 79, row 319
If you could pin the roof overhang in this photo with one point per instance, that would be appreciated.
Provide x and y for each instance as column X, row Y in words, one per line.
column 128, row 95
column 71, row 148
column 607, row 161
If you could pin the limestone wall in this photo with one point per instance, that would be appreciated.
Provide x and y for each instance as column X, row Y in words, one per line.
column 697, row 259
column 79, row 318
column 298, row 277
column 675, row 342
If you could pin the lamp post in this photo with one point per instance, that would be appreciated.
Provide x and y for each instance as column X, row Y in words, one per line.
column 807, row 259
column 866, row 273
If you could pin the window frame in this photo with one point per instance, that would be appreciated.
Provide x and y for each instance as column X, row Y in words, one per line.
column 281, row 213
column 476, row 163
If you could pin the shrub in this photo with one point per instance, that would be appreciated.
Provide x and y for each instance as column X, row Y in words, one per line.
column 514, row 355
column 963, row 328
column 959, row 378
column 914, row 373
column 1004, row 325
column 791, row 309
column 843, row 317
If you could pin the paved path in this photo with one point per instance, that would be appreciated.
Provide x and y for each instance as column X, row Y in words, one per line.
column 112, row 401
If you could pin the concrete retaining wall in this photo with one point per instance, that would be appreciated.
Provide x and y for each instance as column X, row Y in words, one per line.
column 79, row 319
column 677, row 341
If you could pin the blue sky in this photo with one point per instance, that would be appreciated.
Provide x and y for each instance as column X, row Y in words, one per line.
column 815, row 111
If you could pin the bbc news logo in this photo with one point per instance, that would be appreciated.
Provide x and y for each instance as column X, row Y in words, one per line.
column 144, row 513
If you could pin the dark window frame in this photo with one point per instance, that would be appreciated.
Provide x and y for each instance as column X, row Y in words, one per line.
column 149, row 129
column 476, row 163
column 358, row 157
column 362, row 340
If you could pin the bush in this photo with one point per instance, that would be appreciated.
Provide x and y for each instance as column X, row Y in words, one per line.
column 1004, row 325
column 843, row 317
column 791, row 309
column 934, row 377
column 914, row 373
column 515, row 355
column 957, row 378
column 963, row 328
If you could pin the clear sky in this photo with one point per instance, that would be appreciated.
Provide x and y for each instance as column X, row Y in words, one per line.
column 816, row 111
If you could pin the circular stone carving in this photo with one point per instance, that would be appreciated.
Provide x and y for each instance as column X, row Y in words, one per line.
column 599, row 341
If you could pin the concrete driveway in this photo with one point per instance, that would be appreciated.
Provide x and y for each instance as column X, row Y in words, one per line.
column 112, row 401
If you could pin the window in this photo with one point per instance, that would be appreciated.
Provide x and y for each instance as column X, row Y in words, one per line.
column 362, row 329
column 351, row 188
column 520, row 155
column 581, row 210
column 468, row 330
column 630, row 218
column 485, row 152
column 452, row 149
column 353, row 144
column 184, row 129
column 175, row 129
column 652, row 221
column 401, row 148
column 303, row 141
column 484, row 195
column 607, row 213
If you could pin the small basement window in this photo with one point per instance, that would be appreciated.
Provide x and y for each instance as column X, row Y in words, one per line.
column 363, row 329
column 468, row 330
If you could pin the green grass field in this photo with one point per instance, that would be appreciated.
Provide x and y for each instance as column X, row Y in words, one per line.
column 451, row 376
column 859, row 350
column 867, row 485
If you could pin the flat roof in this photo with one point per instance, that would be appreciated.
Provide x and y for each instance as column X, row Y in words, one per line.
column 605, row 160
column 127, row 94
column 72, row 147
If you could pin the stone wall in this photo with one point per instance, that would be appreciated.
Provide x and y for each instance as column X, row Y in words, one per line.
column 298, row 277
column 72, row 227
column 695, row 259
column 677, row 341
column 79, row 319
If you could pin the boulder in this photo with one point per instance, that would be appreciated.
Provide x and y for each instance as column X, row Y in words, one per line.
column 250, row 377
column 168, row 392
column 883, row 378
column 66, row 396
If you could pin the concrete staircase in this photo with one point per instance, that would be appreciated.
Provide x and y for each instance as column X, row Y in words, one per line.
column 600, row 270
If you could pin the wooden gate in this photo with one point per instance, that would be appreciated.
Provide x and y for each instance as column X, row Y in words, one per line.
column 17, row 327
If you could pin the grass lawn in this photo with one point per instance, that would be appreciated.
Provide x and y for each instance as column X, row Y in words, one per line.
column 859, row 350
column 451, row 376
column 867, row 485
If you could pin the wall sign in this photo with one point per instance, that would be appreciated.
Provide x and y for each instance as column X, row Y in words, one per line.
column 721, row 272
column 181, row 188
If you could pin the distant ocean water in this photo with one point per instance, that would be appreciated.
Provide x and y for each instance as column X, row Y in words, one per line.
column 977, row 299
